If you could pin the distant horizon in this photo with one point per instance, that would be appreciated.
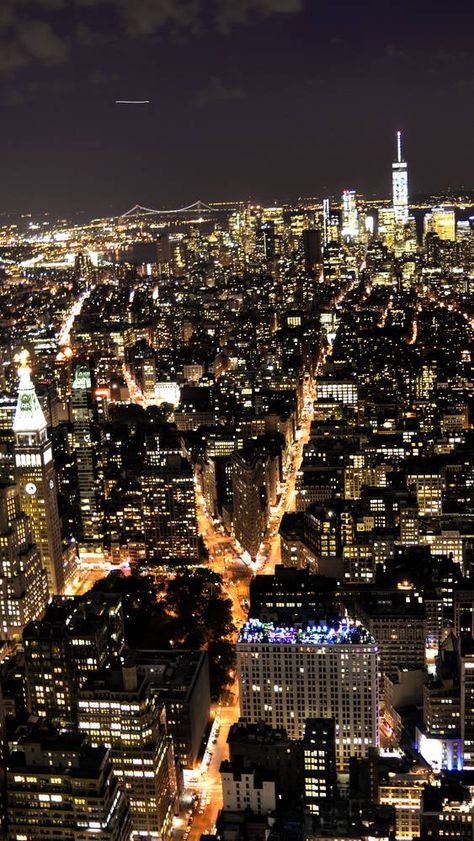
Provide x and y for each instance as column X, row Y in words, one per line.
column 112, row 212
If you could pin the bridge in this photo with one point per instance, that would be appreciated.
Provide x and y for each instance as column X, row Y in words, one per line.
column 139, row 210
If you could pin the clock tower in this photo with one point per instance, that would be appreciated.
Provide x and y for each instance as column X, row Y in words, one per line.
column 36, row 477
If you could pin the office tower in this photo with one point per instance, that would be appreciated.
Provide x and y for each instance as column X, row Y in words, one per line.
column 409, row 525
column 266, row 241
column 59, row 787
column 428, row 483
column 7, row 438
column 75, row 637
column 86, row 445
column 292, row 596
column 169, row 502
column 250, row 501
column 288, row 673
column 398, row 622
column 350, row 220
column 118, row 708
column 386, row 226
column 311, row 248
column 7, row 368
column 36, row 478
column 446, row 812
column 148, row 376
column 334, row 261
column 338, row 390
column 326, row 217
column 400, row 185
column 464, row 613
column 442, row 222
column 402, row 790
column 466, row 685
column 439, row 740
column 83, row 268
column 319, row 764
column 23, row 583
column 181, row 680
column 217, row 484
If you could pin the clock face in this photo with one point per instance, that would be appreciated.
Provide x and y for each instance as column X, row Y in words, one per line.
column 30, row 488
column 51, row 484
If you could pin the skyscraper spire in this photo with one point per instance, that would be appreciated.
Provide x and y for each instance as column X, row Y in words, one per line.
column 29, row 416
column 400, row 185
column 399, row 147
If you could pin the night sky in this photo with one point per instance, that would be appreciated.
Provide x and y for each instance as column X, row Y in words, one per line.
column 261, row 99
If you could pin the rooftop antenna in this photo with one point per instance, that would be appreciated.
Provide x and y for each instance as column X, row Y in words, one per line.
column 399, row 147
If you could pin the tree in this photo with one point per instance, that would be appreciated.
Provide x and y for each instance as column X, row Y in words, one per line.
column 189, row 610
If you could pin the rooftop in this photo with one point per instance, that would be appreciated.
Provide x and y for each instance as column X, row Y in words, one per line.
column 343, row 632
column 174, row 672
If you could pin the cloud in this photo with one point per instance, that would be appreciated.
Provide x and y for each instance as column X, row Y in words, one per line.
column 145, row 17
column 39, row 41
column 229, row 13
column 394, row 53
column 44, row 30
column 217, row 91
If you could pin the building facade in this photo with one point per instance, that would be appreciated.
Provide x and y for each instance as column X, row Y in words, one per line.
column 23, row 583
column 59, row 787
column 118, row 708
column 289, row 674
column 36, row 478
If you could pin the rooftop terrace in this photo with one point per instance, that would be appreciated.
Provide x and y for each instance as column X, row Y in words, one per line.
column 344, row 632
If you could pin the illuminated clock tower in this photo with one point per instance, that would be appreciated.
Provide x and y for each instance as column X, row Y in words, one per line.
column 36, row 477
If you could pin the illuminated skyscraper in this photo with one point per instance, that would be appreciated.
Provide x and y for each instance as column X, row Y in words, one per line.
column 326, row 215
column 118, row 708
column 400, row 184
column 169, row 503
column 290, row 673
column 85, row 423
column 36, row 478
column 350, row 220
column 442, row 222
column 23, row 584
column 319, row 763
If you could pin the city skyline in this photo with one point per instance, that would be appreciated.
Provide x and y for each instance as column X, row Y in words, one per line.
column 236, row 420
column 323, row 89
column 451, row 196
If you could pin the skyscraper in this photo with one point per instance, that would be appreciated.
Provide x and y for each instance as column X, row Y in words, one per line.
column 466, row 682
column 250, row 499
column 350, row 216
column 76, row 637
column 442, row 222
column 326, row 215
column 23, row 584
column 319, row 764
column 118, row 708
column 168, row 501
column 288, row 673
column 36, row 477
column 400, row 185
column 86, row 445
column 60, row 787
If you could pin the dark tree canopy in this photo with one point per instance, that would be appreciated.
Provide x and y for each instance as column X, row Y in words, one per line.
column 189, row 610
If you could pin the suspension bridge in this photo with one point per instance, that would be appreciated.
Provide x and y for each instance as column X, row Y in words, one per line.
column 139, row 210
